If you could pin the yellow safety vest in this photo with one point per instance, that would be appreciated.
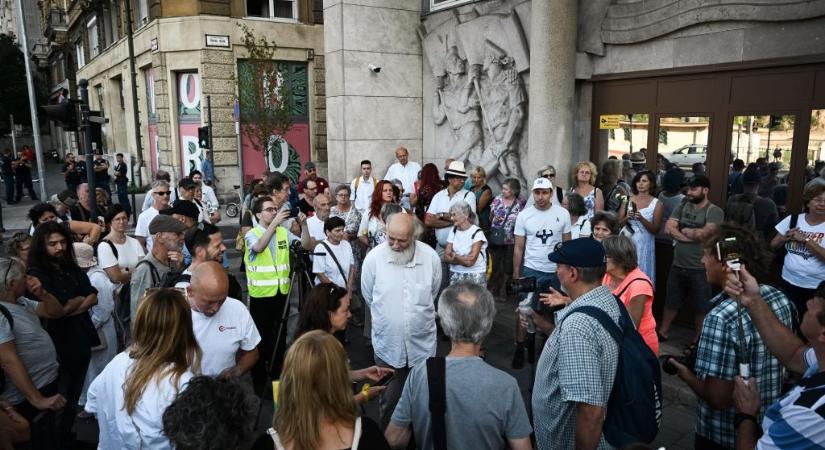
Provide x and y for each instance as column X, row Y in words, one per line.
column 266, row 275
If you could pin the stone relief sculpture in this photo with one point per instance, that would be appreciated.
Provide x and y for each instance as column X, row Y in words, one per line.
column 477, row 61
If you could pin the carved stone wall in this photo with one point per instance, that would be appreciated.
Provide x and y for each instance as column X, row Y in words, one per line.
column 476, row 63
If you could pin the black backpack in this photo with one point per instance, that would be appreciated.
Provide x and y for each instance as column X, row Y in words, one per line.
column 7, row 314
column 167, row 281
column 634, row 410
column 740, row 210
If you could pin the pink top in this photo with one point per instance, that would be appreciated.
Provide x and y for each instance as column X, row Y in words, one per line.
column 634, row 284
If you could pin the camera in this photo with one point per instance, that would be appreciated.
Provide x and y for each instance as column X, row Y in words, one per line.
column 522, row 285
column 373, row 68
column 729, row 252
column 667, row 365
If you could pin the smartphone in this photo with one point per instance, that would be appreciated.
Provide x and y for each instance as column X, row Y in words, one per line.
column 728, row 251
column 384, row 381
column 293, row 212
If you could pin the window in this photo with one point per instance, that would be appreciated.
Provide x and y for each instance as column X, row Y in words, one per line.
column 272, row 9
column 441, row 4
column 91, row 32
column 142, row 12
column 81, row 54
column 113, row 22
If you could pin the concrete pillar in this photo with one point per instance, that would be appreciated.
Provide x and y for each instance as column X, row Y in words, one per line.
column 370, row 114
column 552, row 85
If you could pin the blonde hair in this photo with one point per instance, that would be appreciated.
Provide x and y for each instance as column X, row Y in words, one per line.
column 164, row 346
column 315, row 384
column 480, row 170
column 589, row 165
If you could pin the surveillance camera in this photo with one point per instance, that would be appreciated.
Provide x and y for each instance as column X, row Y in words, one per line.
column 374, row 68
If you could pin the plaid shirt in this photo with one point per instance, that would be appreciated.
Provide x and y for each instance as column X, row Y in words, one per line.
column 578, row 365
column 718, row 357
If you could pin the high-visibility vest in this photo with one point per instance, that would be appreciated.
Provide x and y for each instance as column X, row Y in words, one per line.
column 266, row 275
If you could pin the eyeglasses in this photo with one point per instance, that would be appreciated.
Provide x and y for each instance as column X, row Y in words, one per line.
column 271, row 209
column 163, row 193
column 548, row 175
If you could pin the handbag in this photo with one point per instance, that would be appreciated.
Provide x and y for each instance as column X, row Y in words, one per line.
column 498, row 234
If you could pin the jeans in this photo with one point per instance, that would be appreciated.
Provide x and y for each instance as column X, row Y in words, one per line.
column 389, row 398
column 25, row 180
column 42, row 423
column 123, row 197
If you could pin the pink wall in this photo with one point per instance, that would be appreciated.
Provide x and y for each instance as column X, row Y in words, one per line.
column 253, row 159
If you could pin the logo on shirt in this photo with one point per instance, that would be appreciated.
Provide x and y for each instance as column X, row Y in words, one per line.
column 544, row 235
column 222, row 328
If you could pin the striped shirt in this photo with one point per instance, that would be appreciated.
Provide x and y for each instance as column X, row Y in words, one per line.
column 718, row 356
column 797, row 420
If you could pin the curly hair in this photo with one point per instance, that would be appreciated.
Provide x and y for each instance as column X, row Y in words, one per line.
column 210, row 414
column 754, row 252
column 377, row 201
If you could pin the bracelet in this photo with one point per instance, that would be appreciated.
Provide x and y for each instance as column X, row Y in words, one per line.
column 741, row 417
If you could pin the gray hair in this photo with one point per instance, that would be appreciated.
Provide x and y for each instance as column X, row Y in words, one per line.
column 591, row 275
column 543, row 168
column 343, row 187
column 388, row 209
column 466, row 311
column 159, row 183
column 514, row 184
column 463, row 208
column 622, row 251
column 13, row 270
column 318, row 198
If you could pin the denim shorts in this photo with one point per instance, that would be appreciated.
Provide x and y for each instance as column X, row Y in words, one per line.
column 543, row 282
column 688, row 286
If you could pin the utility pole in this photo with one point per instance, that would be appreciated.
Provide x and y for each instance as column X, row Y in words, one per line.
column 86, row 146
column 38, row 148
column 211, row 141
column 135, row 111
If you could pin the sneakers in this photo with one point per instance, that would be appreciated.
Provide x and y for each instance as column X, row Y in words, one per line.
column 518, row 357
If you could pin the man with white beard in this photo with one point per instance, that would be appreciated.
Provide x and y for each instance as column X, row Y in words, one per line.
column 399, row 280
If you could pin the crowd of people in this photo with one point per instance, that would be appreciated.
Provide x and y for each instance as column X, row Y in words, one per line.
column 157, row 339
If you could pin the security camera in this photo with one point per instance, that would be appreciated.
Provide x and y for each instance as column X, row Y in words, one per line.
column 374, row 68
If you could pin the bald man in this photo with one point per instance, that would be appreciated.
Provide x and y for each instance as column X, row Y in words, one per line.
column 223, row 326
column 399, row 280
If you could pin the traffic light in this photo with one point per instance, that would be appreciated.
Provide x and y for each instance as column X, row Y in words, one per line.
column 203, row 138
column 65, row 114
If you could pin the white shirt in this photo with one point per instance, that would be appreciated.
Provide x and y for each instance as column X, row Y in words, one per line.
column 581, row 228
column 316, row 228
column 407, row 174
column 142, row 226
column 462, row 245
column 401, row 303
column 362, row 195
column 802, row 268
column 210, row 200
column 442, row 202
column 326, row 264
column 222, row 335
column 541, row 231
column 129, row 254
column 117, row 428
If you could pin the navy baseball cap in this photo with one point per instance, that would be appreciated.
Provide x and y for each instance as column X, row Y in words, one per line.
column 581, row 252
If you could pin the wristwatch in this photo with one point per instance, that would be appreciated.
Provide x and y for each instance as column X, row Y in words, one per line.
column 741, row 417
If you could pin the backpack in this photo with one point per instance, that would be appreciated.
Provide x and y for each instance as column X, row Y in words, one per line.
column 7, row 314
column 357, row 182
column 169, row 280
column 740, row 210
column 634, row 410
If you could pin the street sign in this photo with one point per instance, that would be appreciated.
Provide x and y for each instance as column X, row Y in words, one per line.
column 609, row 121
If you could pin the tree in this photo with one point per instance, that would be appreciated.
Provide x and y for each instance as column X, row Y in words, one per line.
column 13, row 90
column 264, row 99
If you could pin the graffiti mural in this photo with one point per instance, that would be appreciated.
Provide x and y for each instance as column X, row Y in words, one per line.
column 189, row 119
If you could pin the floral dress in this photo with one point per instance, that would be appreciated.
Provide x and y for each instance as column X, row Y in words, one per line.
column 498, row 211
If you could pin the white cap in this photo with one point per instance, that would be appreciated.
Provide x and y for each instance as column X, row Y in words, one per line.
column 542, row 183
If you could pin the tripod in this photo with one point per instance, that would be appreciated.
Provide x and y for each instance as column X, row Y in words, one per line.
column 298, row 272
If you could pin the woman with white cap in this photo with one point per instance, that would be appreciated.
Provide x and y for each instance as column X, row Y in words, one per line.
column 101, row 314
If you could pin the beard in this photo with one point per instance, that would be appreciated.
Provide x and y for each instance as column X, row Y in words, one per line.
column 403, row 257
column 62, row 259
column 696, row 198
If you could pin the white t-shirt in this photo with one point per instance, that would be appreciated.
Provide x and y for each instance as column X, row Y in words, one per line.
column 222, row 335
column 316, row 228
column 142, row 226
column 802, row 268
column 541, row 230
column 581, row 228
column 128, row 254
column 462, row 244
column 407, row 174
column 442, row 202
column 117, row 428
column 362, row 195
column 326, row 265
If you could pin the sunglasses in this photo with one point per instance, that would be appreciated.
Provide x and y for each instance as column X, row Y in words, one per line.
column 548, row 175
column 163, row 193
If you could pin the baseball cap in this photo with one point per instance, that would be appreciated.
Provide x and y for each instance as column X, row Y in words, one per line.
column 183, row 208
column 187, row 183
column 67, row 197
column 581, row 252
column 166, row 224
column 542, row 183
column 309, row 165
column 699, row 180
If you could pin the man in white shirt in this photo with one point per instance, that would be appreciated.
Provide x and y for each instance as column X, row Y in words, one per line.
column 362, row 187
column 538, row 229
column 160, row 200
column 399, row 281
column 405, row 170
column 313, row 233
column 337, row 269
column 223, row 326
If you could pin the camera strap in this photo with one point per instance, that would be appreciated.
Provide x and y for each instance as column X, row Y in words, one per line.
column 436, row 381
column 334, row 258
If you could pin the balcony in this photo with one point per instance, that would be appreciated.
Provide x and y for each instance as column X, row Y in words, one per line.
column 56, row 21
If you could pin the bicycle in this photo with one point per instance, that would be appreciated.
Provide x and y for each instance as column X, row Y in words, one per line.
column 234, row 208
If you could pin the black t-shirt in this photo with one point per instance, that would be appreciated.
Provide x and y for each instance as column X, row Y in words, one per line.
column 306, row 208
column 102, row 176
column 5, row 165
column 120, row 173
column 23, row 167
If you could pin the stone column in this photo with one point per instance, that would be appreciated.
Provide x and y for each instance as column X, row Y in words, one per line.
column 552, row 85
column 370, row 114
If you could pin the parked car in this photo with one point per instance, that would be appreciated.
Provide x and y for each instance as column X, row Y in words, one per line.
column 688, row 155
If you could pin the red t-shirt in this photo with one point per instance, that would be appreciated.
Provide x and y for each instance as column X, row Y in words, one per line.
column 636, row 283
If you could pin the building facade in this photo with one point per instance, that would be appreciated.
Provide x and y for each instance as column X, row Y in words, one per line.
column 188, row 54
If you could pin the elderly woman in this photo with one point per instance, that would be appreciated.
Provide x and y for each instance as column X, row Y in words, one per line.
column 344, row 209
column 584, row 180
column 604, row 224
column 484, row 196
column 18, row 246
column 503, row 212
column 628, row 282
column 466, row 250
column 580, row 225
